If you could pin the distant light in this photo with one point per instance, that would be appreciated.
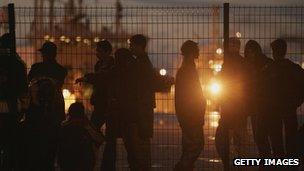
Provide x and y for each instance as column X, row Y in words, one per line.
column 217, row 67
column 46, row 37
column 163, row 72
column 67, row 40
column 66, row 93
column 214, row 160
column 86, row 41
column 52, row 39
column 238, row 34
column 161, row 122
column 62, row 38
column 96, row 39
column 219, row 51
column 78, row 39
column 129, row 41
column 215, row 88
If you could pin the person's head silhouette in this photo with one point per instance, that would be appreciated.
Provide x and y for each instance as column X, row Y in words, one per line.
column 279, row 49
column 103, row 49
column 5, row 41
column 48, row 51
column 252, row 51
column 76, row 110
column 137, row 44
column 190, row 50
column 234, row 45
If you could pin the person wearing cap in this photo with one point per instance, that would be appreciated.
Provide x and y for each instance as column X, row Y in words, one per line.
column 49, row 67
column 13, row 87
column 289, row 93
column 190, row 106
column 232, row 124
column 99, row 99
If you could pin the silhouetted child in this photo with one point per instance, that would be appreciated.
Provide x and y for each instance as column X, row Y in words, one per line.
column 78, row 141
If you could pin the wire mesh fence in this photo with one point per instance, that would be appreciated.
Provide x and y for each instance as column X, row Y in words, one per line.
column 76, row 30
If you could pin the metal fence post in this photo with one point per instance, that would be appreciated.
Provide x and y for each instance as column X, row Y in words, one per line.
column 226, row 28
column 11, row 26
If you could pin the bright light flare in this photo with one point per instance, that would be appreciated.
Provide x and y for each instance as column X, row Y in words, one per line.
column 238, row 34
column 219, row 51
column 163, row 72
column 69, row 98
column 66, row 93
column 215, row 88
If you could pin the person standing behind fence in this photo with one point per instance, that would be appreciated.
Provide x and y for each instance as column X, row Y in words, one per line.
column 233, row 122
column 289, row 93
column 50, row 68
column 99, row 99
column 13, row 86
column 124, row 104
column 268, row 122
column 190, row 107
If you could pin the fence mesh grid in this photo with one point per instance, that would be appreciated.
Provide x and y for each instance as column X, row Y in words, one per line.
column 76, row 31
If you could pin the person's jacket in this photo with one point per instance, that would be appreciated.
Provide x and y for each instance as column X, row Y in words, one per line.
column 232, row 79
column 99, row 81
column 13, row 80
column 189, row 99
column 289, row 84
column 146, row 82
column 49, row 69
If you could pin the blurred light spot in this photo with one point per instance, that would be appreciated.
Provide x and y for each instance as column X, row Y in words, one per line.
column 163, row 72
column 217, row 67
column 96, row 39
column 215, row 88
column 161, row 122
column 52, row 39
column 62, row 38
column 66, row 93
column 238, row 34
column 214, row 160
column 46, row 37
column 67, row 40
column 219, row 51
column 78, row 39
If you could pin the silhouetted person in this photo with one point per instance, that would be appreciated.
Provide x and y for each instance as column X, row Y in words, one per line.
column 253, row 71
column 290, row 93
column 99, row 99
column 146, row 78
column 190, row 107
column 124, row 104
column 41, row 125
column 232, row 124
column 78, row 141
column 13, row 86
column 50, row 68
column 268, row 133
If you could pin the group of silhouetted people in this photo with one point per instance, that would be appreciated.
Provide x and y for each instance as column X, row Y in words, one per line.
column 266, row 90
column 36, row 133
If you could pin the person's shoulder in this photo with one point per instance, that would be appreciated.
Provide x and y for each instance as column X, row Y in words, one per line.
column 37, row 65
